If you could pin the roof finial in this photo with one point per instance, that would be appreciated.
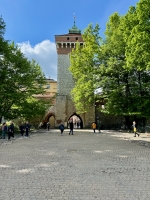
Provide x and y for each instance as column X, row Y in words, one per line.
column 74, row 29
column 74, row 17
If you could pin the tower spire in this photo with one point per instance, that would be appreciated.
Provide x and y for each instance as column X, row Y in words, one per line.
column 74, row 29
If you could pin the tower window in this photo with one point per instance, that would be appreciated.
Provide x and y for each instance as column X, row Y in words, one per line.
column 67, row 38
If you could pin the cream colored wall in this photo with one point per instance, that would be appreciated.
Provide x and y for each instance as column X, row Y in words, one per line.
column 49, row 92
column 52, row 89
column 52, row 121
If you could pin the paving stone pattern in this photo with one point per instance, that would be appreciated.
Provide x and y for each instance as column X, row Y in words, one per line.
column 84, row 166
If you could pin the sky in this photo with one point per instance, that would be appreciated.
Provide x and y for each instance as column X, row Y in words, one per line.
column 33, row 24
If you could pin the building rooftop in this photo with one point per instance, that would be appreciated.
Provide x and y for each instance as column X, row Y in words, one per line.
column 51, row 80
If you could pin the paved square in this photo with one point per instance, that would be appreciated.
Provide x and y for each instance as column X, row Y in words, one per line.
column 84, row 166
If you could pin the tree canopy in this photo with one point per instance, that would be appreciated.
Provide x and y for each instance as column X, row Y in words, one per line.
column 118, row 65
column 83, row 67
column 19, row 81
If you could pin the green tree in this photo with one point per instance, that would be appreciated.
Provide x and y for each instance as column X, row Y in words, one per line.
column 138, row 56
column 112, row 75
column 124, row 86
column 2, row 31
column 19, row 79
column 138, row 42
column 118, row 66
column 83, row 64
column 33, row 109
column 2, row 27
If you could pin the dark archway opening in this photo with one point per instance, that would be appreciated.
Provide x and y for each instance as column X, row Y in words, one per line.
column 77, row 121
column 51, row 119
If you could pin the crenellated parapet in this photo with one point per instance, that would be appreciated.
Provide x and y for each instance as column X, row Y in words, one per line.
column 65, row 43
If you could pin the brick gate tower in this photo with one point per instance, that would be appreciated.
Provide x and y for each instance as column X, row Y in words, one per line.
column 64, row 105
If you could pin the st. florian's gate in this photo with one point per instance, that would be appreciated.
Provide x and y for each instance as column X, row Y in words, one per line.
column 64, row 108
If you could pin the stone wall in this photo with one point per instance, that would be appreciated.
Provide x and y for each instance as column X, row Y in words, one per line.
column 64, row 77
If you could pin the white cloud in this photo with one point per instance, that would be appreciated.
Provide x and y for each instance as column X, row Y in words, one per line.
column 44, row 54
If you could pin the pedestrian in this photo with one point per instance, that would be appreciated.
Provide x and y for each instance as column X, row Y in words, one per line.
column 48, row 126
column 99, row 126
column 71, row 127
column 21, row 127
column 135, row 129
column 4, row 130
column 27, row 128
column 11, row 129
column 94, row 126
column 61, row 127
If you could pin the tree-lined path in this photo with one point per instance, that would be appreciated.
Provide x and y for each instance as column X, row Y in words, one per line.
column 83, row 166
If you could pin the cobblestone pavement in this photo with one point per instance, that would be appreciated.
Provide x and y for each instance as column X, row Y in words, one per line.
column 84, row 166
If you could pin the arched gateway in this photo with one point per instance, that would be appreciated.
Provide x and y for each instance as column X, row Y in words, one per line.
column 77, row 121
column 65, row 108
column 50, row 117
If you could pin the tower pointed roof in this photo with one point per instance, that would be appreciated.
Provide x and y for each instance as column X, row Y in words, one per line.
column 74, row 28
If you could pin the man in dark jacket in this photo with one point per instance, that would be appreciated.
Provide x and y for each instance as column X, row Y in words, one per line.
column 27, row 128
column 71, row 127
column 11, row 129
column 21, row 127
column 48, row 126
column 61, row 127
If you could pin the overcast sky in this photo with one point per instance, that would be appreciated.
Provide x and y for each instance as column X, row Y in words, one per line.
column 33, row 24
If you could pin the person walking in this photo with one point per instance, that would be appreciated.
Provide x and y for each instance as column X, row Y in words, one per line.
column 99, row 126
column 71, row 127
column 94, row 126
column 48, row 126
column 21, row 127
column 61, row 127
column 135, row 129
column 27, row 128
column 4, row 130
column 11, row 129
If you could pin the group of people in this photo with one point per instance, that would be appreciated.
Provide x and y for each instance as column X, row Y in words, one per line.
column 10, row 129
column 7, row 130
column 24, row 128
column 71, row 126
column 98, row 125
column 76, row 123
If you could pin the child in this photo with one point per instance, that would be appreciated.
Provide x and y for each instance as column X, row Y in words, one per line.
column 61, row 127
column 94, row 126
